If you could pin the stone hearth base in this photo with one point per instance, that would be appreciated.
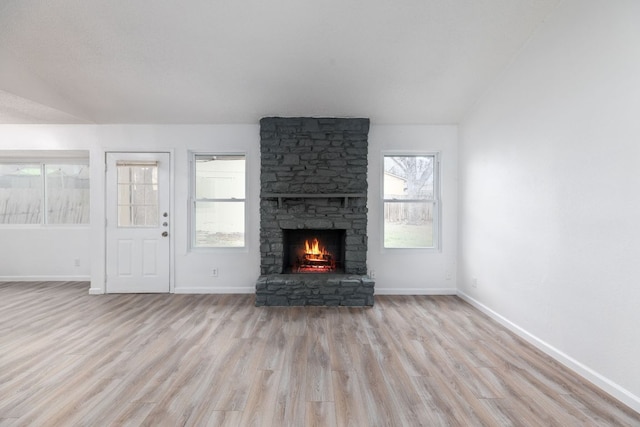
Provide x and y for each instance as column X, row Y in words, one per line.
column 314, row 289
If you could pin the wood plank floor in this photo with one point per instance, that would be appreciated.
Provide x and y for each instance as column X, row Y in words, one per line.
column 68, row 358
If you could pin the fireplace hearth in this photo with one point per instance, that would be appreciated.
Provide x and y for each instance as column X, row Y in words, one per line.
column 313, row 212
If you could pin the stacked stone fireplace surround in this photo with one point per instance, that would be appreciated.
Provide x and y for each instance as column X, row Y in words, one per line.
column 313, row 177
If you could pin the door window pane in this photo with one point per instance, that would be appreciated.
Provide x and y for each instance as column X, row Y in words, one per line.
column 138, row 195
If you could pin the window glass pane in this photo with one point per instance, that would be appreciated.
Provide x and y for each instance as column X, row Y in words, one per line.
column 150, row 194
column 124, row 192
column 138, row 217
column 124, row 216
column 408, row 177
column 67, row 194
column 21, row 194
column 219, row 224
column 220, row 177
column 408, row 225
column 138, row 195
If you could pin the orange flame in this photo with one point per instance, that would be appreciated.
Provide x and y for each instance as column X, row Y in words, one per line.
column 314, row 248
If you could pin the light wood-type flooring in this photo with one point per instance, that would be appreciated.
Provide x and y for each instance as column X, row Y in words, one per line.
column 68, row 358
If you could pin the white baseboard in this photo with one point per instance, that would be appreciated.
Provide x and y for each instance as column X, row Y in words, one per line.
column 414, row 291
column 221, row 290
column 194, row 290
column 45, row 278
column 605, row 384
column 252, row 289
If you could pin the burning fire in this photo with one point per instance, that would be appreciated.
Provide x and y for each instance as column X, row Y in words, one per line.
column 315, row 259
column 314, row 249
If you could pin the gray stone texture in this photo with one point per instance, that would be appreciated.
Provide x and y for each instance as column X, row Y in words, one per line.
column 313, row 156
column 340, row 149
column 314, row 289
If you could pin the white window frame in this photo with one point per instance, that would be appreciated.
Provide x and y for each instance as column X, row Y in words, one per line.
column 193, row 200
column 43, row 163
column 437, row 204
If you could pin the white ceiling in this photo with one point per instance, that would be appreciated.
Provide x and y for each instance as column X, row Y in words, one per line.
column 213, row 61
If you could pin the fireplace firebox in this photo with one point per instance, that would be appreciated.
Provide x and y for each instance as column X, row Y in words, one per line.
column 313, row 251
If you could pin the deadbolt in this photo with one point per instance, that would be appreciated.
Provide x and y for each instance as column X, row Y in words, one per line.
column 165, row 214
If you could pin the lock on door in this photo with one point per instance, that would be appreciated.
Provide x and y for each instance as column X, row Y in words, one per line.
column 165, row 224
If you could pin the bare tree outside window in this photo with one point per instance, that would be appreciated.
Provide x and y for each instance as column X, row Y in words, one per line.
column 138, row 195
column 409, row 201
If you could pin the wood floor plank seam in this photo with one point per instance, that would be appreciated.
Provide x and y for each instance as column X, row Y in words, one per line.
column 69, row 358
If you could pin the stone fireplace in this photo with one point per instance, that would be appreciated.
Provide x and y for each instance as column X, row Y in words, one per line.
column 313, row 212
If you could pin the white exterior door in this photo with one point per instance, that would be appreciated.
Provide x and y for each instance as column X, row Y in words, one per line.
column 137, row 233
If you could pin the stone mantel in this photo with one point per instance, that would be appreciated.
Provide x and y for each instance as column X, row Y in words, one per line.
column 281, row 196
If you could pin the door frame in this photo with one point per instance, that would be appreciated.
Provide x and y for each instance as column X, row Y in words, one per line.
column 172, row 227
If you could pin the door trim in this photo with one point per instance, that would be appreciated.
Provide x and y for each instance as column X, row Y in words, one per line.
column 172, row 226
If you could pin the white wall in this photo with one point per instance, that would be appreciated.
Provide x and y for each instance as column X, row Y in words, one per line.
column 44, row 252
column 49, row 253
column 549, row 183
column 397, row 271
column 413, row 271
column 36, row 253
column 238, row 269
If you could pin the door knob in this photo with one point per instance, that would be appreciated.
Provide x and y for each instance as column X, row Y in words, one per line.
column 165, row 234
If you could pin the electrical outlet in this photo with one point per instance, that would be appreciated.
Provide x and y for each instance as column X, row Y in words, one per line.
column 76, row 262
column 474, row 283
column 372, row 274
column 214, row 272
